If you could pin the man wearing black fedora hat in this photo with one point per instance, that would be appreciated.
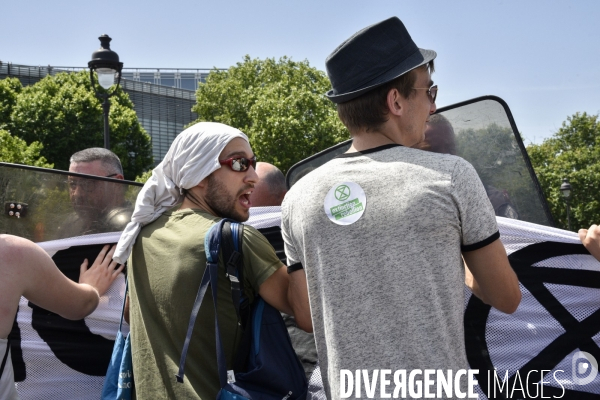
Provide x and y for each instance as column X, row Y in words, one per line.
column 381, row 231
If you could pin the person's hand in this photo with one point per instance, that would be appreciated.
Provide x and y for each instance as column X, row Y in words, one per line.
column 103, row 272
column 591, row 240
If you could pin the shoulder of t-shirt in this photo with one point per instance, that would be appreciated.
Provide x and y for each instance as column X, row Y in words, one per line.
column 252, row 234
column 256, row 243
column 307, row 181
column 461, row 162
column 461, row 166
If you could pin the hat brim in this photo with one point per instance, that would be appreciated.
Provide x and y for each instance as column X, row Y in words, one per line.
column 414, row 61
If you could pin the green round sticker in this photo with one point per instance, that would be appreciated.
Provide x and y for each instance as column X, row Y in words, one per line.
column 345, row 203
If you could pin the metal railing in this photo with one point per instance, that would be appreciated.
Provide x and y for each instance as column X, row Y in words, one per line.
column 180, row 78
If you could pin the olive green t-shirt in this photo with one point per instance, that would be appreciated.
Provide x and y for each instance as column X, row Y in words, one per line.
column 166, row 268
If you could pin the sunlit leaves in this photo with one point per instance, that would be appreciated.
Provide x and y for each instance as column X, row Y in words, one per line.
column 280, row 105
column 15, row 150
column 572, row 153
column 63, row 114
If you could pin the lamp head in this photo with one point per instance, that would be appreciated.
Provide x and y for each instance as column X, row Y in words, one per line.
column 106, row 63
column 565, row 189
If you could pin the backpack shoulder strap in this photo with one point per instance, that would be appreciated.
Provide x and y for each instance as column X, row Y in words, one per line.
column 212, row 246
column 232, row 235
column 218, row 238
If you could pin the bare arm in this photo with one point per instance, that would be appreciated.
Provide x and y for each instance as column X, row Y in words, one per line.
column 298, row 298
column 591, row 240
column 288, row 294
column 30, row 272
column 69, row 299
column 491, row 278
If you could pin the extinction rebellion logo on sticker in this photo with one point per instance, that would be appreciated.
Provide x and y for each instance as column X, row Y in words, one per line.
column 345, row 203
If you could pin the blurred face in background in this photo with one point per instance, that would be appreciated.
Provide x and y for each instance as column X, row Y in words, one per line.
column 439, row 138
column 91, row 198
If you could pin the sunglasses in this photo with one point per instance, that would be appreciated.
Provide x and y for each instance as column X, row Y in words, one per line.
column 431, row 92
column 240, row 164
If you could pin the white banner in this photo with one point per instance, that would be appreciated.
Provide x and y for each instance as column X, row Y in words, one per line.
column 550, row 337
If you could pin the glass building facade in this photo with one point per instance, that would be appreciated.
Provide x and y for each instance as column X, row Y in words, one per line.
column 163, row 98
column 186, row 79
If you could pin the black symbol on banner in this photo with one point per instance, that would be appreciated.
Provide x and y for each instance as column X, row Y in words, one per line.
column 16, row 354
column 577, row 334
column 72, row 342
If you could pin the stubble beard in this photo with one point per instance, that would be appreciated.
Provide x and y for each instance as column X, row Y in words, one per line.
column 221, row 202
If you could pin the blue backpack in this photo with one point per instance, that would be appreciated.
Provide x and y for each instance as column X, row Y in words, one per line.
column 267, row 366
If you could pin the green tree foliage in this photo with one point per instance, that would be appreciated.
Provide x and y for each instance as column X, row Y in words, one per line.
column 280, row 105
column 574, row 153
column 143, row 177
column 9, row 90
column 63, row 114
column 15, row 150
column 496, row 156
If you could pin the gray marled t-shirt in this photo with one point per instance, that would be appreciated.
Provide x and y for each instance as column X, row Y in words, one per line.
column 386, row 291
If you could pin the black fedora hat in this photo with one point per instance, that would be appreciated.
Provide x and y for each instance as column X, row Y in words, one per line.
column 371, row 57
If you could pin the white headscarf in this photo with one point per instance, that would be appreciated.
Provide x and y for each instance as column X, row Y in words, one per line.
column 193, row 155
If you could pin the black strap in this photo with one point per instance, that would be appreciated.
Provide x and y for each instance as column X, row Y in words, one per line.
column 209, row 278
column 186, row 344
column 294, row 267
column 232, row 258
column 244, row 303
column 124, row 302
column 5, row 357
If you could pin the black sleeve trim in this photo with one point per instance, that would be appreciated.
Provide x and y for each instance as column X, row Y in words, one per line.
column 483, row 243
column 368, row 151
column 294, row 267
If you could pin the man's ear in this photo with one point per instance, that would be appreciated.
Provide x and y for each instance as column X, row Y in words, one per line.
column 395, row 102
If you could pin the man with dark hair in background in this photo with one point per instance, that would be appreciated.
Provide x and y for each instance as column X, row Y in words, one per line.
column 99, row 206
column 380, row 232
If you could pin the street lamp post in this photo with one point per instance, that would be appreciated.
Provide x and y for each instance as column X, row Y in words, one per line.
column 565, row 190
column 106, row 64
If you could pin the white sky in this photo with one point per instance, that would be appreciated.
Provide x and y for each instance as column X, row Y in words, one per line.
column 541, row 57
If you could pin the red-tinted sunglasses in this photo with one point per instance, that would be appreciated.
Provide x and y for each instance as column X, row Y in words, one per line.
column 240, row 164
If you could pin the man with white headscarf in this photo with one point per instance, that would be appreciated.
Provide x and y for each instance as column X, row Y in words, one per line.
column 209, row 173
